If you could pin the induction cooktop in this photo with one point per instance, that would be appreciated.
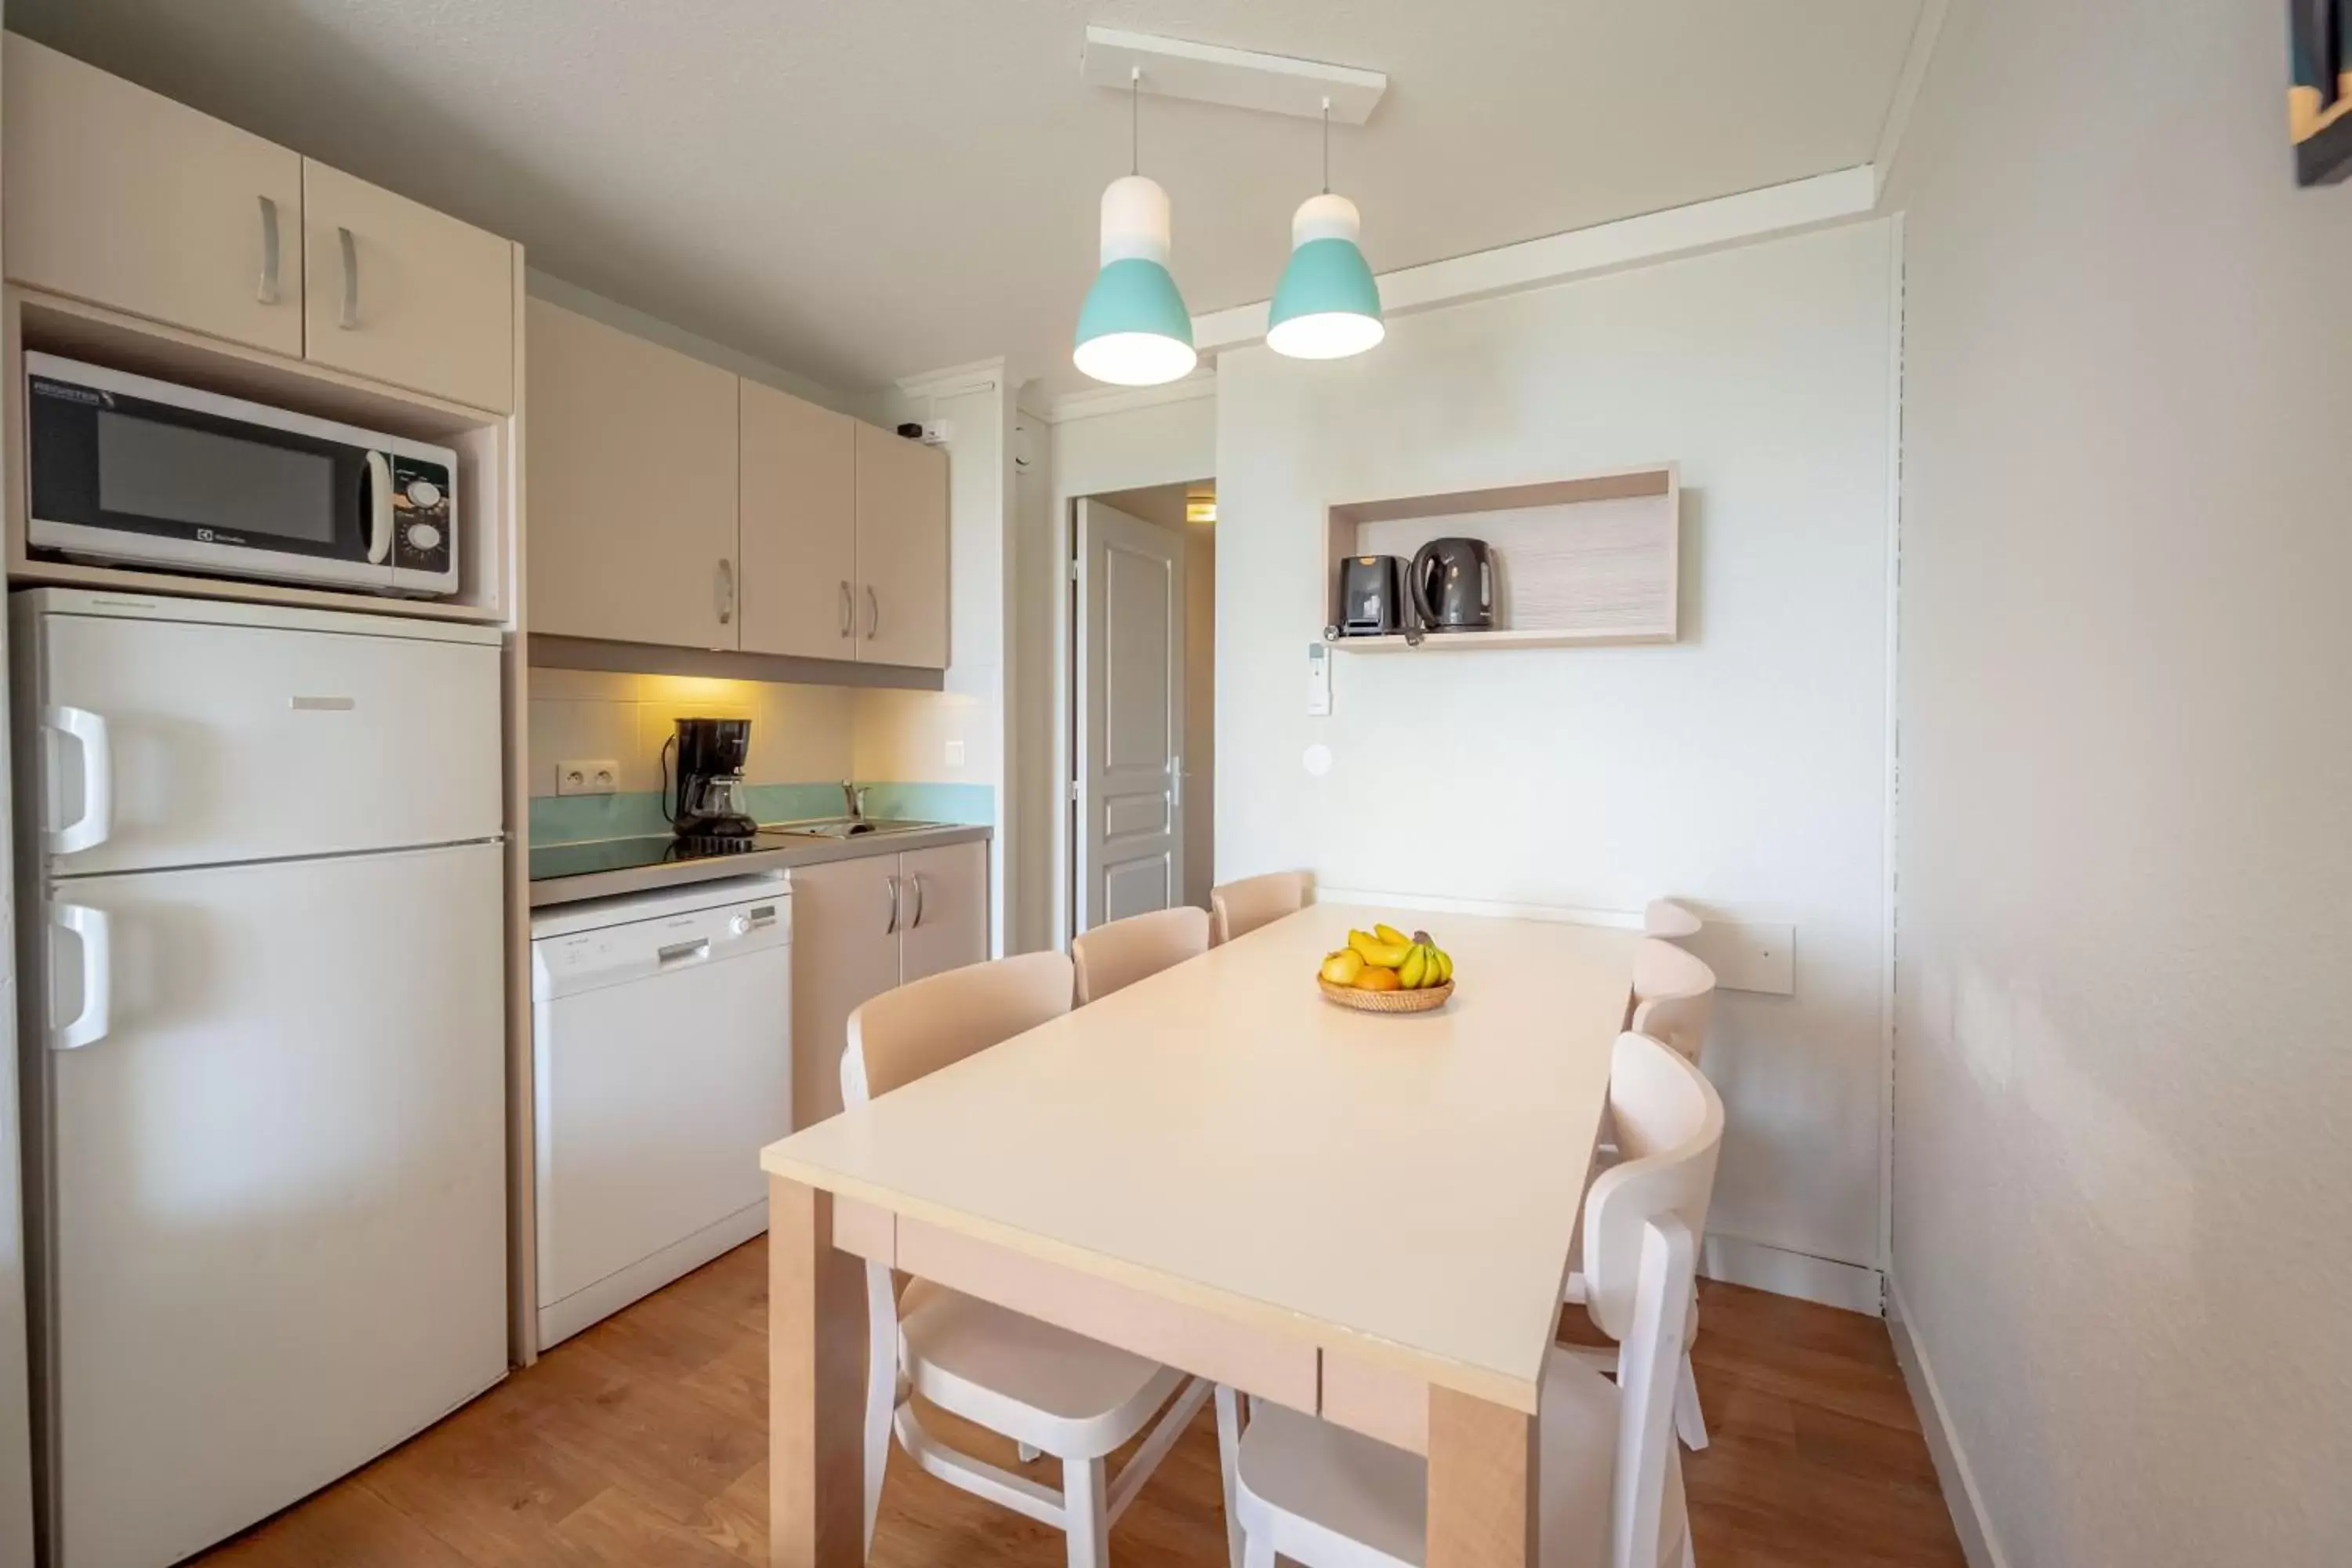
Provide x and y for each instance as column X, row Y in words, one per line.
column 550, row 862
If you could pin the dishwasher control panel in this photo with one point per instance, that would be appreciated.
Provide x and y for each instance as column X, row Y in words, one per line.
column 611, row 942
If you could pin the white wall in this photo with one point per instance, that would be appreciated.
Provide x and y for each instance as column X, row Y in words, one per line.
column 1744, row 767
column 2122, row 1179
column 1035, row 803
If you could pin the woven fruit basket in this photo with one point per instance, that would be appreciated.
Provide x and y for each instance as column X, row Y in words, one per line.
column 1427, row 999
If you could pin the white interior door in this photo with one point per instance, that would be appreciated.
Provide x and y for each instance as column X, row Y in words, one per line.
column 1130, row 711
column 275, row 1183
column 182, row 743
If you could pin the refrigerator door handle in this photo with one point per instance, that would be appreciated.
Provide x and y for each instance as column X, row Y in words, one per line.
column 91, row 928
column 96, row 823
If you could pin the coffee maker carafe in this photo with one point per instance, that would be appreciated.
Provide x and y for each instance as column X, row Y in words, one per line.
column 710, row 801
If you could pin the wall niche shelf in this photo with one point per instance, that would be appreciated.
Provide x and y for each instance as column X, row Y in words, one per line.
column 1577, row 563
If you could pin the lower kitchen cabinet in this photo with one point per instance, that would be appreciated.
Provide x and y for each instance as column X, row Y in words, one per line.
column 946, row 924
column 861, row 927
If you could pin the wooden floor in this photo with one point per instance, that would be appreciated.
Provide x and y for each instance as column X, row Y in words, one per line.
column 644, row 1441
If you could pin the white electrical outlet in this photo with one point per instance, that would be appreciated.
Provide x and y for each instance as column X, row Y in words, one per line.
column 600, row 775
column 955, row 753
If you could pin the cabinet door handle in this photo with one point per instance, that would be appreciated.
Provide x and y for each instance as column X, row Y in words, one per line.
column 892, row 928
column 350, row 319
column 725, row 590
column 916, row 924
column 873, row 613
column 848, row 611
column 268, row 293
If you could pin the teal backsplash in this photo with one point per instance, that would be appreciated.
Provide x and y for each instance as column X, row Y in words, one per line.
column 575, row 818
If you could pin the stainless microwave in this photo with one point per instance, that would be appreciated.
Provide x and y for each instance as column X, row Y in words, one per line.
column 122, row 469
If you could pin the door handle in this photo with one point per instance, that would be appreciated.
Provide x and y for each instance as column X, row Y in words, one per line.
column 681, row 952
column 873, row 613
column 268, row 293
column 892, row 928
column 848, row 611
column 350, row 318
column 726, row 591
column 379, row 469
column 96, row 823
column 916, row 923
column 1175, row 782
column 95, row 933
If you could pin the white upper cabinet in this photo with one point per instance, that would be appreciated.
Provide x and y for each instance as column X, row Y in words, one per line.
column 125, row 199
column 902, row 550
column 632, row 484
column 402, row 294
column 798, row 512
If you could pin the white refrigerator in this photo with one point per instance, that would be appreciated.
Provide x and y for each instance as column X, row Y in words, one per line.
column 261, row 924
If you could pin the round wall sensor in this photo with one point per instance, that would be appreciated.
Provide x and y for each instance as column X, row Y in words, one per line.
column 1318, row 760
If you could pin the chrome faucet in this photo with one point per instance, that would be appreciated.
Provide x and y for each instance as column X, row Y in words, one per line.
column 852, row 795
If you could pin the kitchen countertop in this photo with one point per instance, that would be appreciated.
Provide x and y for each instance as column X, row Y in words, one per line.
column 773, row 854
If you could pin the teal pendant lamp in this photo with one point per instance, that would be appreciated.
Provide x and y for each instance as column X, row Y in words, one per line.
column 1134, row 330
column 1328, row 305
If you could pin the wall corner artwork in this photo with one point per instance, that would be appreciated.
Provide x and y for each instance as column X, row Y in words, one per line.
column 2319, row 100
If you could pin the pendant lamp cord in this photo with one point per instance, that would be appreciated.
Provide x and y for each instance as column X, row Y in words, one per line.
column 1135, row 120
column 1326, row 146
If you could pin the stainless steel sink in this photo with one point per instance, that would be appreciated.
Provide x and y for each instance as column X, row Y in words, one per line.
column 848, row 828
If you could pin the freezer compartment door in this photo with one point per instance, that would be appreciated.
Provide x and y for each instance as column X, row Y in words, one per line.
column 159, row 743
column 274, row 1187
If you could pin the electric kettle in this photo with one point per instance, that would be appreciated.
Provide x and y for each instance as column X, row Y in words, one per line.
column 1452, row 581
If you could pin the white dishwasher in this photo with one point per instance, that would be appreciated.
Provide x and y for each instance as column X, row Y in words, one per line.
column 661, row 1029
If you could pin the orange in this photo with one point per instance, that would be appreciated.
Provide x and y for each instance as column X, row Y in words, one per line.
column 1375, row 978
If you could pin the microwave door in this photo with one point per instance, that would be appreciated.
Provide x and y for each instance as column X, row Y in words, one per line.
column 120, row 476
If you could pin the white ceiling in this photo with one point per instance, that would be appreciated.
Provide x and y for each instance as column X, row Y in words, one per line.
column 868, row 189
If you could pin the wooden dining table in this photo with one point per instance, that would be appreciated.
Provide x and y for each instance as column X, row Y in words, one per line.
column 1363, row 1217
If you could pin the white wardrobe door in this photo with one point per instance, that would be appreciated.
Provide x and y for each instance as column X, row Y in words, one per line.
column 655, row 1100
column 276, row 1184
column 228, row 742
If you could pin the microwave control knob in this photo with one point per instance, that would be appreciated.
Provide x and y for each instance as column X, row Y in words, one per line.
column 424, row 493
column 422, row 535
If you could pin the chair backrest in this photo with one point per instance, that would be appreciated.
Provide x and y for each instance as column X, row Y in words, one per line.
column 1112, row 957
column 1641, row 1222
column 1666, row 919
column 1674, row 996
column 1241, row 907
column 1669, row 1123
column 918, row 1028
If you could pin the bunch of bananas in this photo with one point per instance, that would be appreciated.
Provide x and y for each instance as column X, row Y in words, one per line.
column 1385, row 959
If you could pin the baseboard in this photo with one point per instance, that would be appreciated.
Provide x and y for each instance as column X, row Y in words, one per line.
column 1438, row 904
column 1969, row 1519
column 1736, row 1260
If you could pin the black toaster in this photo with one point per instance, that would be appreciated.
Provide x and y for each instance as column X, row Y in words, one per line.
column 1372, row 595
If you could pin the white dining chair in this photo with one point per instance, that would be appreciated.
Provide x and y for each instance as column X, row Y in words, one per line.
column 1113, row 957
column 1609, row 1489
column 1674, row 996
column 1241, row 907
column 1669, row 921
column 1672, row 1002
column 1047, row 1389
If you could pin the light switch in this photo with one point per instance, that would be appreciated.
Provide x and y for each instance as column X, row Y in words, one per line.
column 955, row 753
column 600, row 775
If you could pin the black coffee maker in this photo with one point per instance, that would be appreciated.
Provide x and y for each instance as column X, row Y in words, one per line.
column 710, row 801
